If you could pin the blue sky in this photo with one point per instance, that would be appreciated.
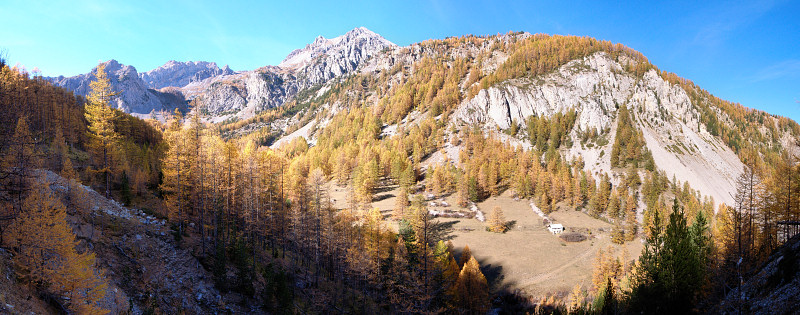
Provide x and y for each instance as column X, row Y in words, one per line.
column 746, row 52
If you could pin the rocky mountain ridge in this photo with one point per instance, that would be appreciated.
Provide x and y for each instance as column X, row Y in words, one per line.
column 134, row 95
column 179, row 74
column 323, row 60
column 225, row 93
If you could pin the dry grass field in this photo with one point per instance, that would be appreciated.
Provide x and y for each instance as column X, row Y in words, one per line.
column 527, row 257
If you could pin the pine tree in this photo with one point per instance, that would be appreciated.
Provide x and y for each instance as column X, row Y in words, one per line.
column 630, row 218
column 614, row 207
column 672, row 266
column 320, row 204
column 59, row 149
column 175, row 172
column 575, row 300
column 401, row 290
column 463, row 190
column 101, row 118
column 747, row 203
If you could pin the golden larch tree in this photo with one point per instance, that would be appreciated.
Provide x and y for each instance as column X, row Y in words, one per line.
column 497, row 220
column 45, row 252
column 101, row 117
column 18, row 163
column 472, row 289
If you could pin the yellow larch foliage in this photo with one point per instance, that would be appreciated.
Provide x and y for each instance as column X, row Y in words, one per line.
column 45, row 252
column 472, row 289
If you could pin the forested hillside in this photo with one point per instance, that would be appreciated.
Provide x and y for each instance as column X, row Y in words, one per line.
column 350, row 209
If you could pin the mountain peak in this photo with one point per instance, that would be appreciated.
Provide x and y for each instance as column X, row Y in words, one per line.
column 360, row 37
column 361, row 30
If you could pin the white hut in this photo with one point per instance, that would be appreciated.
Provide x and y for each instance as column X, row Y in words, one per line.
column 555, row 228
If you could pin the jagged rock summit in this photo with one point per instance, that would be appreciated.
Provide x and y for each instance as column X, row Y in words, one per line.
column 268, row 87
column 179, row 74
column 355, row 46
column 225, row 92
column 134, row 96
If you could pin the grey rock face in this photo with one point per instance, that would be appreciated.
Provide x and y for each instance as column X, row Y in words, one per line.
column 179, row 74
column 223, row 98
column 325, row 59
column 269, row 87
column 595, row 87
column 224, row 91
column 594, row 93
column 134, row 96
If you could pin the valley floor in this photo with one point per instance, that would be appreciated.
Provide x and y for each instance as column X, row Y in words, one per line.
column 527, row 257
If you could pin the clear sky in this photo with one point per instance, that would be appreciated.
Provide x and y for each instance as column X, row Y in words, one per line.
column 746, row 52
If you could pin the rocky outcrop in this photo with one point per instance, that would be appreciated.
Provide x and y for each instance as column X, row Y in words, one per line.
column 325, row 59
column 594, row 93
column 774, row 288
column 171, row 98
column 223, row 98
column 144, row 266
column 269, row 89
column 179, row 74
column 595, row 87
column 134, row 96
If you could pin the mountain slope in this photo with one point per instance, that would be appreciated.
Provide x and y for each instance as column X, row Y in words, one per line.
column 594, row 87
column 139, row 254
column 693, row 136
column 411, row 84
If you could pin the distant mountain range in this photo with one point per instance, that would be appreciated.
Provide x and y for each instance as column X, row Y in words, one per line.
column 225, row 91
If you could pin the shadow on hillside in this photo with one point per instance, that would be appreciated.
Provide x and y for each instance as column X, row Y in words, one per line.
column 444, row 230
column 384, row 188
column 505, row 294
column 382, row 197
column 511, row 224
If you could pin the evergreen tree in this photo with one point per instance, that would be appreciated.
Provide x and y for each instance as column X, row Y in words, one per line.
column 401, row 204
column 466, row 254
column 671, row 268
